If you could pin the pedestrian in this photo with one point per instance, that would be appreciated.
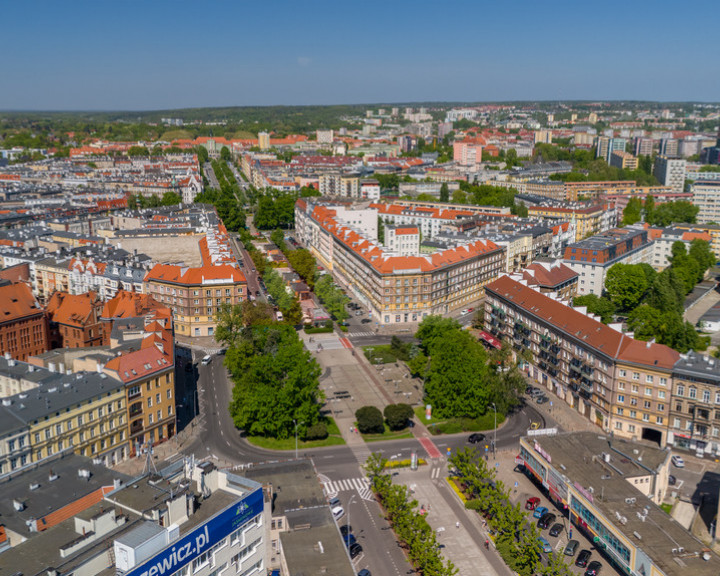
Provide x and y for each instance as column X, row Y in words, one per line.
column 487, row 544
column 457, row 524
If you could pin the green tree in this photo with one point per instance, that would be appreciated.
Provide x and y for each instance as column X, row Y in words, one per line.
column 626, row 285
column 597, row 305
column 381, row 230
column 225, row 154
column 370, row 420
column 649, row 208
column 632, row 212
column 332, row 298
column 444, row 192
column 398, row 415
column 278, row 238
column 138, row 151
column 170, row 199
column 132, row 202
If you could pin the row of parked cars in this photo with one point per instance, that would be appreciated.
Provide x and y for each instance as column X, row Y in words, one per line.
column 353, row 546
column 545, row 520
column 536, row 394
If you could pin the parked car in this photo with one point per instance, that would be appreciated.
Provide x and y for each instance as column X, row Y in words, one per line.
column 571, row 548
column 365, row 321
column 546, row 519
column 364, row 572
column 345, row 529
column 583, row 558
column 532, row 503
column 465, row 312
column 476, row 438
column 593, row 568
column 672, row 480
column 333, row 502
column 556, row 529
column 541, row 399
column 206, row 360
column 539, row 511
column 355, row 550
column 338, row 512
column 545, row 545
column 349, row 540
column 678, row 462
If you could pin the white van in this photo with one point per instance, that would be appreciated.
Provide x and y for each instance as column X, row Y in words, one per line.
column 338, row 512
column 206, row 360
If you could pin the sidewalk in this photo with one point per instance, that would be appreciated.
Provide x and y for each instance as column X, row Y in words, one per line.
column 557, row 411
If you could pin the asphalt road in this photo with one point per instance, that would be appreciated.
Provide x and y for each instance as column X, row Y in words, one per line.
column 210, row 173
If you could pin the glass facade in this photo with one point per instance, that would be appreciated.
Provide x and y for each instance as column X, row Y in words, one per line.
column 599, row 528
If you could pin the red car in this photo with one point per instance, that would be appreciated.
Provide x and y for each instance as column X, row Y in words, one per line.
column 532, row 503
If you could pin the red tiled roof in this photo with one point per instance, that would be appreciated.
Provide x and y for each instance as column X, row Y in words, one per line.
column 592, row 332
column 179, row 275
column 71, row 309
column 17, row 301
column 409, row 230
column 139, row 364
column 130, row 305
column 548, row 276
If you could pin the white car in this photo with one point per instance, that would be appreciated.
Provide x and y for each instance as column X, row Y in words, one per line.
column 338, row 512
column 678, row 462
column 465, row 312
column 206, row 360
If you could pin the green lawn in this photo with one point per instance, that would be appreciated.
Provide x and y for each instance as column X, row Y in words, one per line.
column 484, row 423
column 420, row 414
column 334, row 439
column 667, row 508
column 388, row 435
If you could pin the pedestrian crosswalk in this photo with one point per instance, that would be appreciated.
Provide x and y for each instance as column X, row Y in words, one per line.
column 361, row 334
column 334, row 487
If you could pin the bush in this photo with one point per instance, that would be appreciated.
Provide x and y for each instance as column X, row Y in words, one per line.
column 370, row 420
column 323, row 329
column 398, row 415
column 317, row 432
column 474, row 504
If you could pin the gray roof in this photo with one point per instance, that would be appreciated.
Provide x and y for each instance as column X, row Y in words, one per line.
column 140, row 534
column 697, row 366
column 50, row 496
column 295, row 485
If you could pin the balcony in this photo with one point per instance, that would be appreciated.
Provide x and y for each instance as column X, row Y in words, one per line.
column 544, row 343
column 136, row 427
column 575, row 362
column 587, row 369
column 136, row 409
column 554, row 349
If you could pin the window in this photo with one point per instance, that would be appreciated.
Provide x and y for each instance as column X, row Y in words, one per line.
column 646, row 404
column 660, row 419
column 633, row 401
column 159, row 415
column 676, row 423
column 621, row 385
column 681, row 390
column 621, row 398
column 634, row 388
column 661, row 407
column 157, row 398
column 646, row 418
column 636, row 375
column 149, row 402
column 169, row 394
column 633, row 414
column 663, row 381
column 706, row 396
column 622, row 373
column 648, row 391
column 648, row 379
column 661, row 394
column 620, row 411
column 631, row 427
column 692, row 393
column 150, row 418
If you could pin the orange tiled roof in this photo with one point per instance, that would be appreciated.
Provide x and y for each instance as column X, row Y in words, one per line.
column 17, row 301
column 407, row 230
column 130, row 305
column 179, row 275
column 139, row 364
column 588, row 330
column 71, row 309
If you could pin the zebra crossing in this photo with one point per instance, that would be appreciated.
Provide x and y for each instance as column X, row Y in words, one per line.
column 334, row 487
column 361, row 334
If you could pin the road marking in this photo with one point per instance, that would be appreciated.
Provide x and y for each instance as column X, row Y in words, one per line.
column 334, row 487
column 435, row 474
column 430, row 448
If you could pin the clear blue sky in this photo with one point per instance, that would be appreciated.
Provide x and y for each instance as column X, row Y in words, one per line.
column 156, row 54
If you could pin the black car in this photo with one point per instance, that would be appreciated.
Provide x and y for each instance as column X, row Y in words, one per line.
column 546, row 519
column 593, row 568
column 345, row 530
column 583, row 558
column 349, row 539
column 355, row 550
column 556, row 529
column 476, row 438
column 672, row 480
column 541, row 399
column 365, row 321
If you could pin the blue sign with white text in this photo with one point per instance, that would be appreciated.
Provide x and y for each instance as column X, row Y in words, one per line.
column 193, row 544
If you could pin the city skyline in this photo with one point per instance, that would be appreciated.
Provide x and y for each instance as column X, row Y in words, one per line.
column 175, row 55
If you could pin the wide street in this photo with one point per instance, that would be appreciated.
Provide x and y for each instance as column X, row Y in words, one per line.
column 338, row 467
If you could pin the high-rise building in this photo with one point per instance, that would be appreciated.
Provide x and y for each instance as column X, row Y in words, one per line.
column 606, row 146
column 264, row 140
column 644, row 146
column 706, row 196
column 325, row 136
column 670, row 172
column 624, row 160
column 669, row 146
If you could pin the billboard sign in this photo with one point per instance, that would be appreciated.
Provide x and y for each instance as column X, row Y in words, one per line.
column 193, row 544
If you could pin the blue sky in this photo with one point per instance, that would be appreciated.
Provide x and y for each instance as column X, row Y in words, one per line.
column 155, row 54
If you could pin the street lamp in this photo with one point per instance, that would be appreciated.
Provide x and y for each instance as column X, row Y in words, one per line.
column 495, row 431
column 296, row 437
column 349, row 526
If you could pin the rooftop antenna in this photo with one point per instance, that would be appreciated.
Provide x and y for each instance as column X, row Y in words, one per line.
column 149, row 464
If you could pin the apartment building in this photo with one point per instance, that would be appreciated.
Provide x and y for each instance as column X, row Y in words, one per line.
column 430, row 220
column 468, row 152
column 74, row 320
column 712, row 230
column 51, row 274
column 664, row 238
column 623, row 160
column 593, row 257
column 606, row 146
column 580, row 359
column 23, row 327
column 396, row 289
column 552, row 276
column 589, row 219
column 706, row 196
column 694, row 414
column 83, row 412
column 195, row 295
column 670, row 172
column 402, row 240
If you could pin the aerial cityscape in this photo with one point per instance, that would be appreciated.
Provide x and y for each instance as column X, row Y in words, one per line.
column 300, row 290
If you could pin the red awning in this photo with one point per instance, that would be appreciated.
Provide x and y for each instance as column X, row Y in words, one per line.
column 490, row 339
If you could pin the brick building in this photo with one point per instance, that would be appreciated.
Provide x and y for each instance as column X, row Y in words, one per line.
column 23, row 325
column 74, row 320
